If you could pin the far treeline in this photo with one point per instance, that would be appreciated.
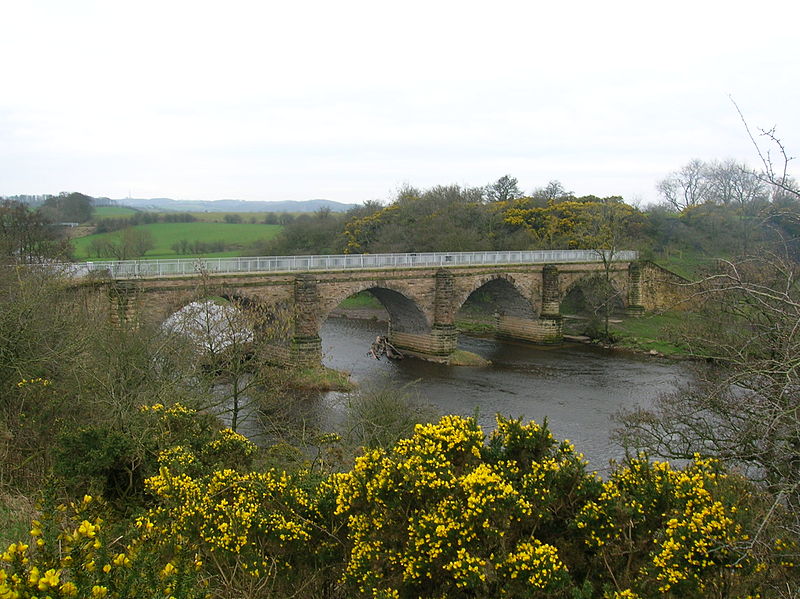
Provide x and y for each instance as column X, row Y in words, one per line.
column 718, row 209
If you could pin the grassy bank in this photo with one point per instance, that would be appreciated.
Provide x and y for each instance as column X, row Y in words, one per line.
column 652, row 332
column 319, row 379
column 644, row 333
column 362, row 299
column 690, row 264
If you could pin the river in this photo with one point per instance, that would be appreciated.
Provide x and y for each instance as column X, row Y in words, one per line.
column 576, row 387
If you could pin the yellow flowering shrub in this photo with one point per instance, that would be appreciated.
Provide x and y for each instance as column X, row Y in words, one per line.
column 359, row 232
column 263, row 525
column 74, row 552
column 662, row 530
column 566, row 223
column 442, row 514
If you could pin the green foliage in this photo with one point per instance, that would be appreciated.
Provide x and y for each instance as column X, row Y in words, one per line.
column 99, row 460
column 28, row 237
column 443, row 218
column 381, row 416
column 315, row 233
column 68, row 207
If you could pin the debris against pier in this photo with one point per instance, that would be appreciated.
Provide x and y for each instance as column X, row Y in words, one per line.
column 382, row 347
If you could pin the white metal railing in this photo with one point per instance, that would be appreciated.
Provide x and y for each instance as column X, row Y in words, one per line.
column 127, row 269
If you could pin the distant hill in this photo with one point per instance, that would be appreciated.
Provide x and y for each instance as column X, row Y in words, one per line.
column 166, row 204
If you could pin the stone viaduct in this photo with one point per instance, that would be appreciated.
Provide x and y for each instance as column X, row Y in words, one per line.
column 421, row 301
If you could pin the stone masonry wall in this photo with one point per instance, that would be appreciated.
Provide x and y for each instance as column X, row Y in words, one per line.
column 664, row 290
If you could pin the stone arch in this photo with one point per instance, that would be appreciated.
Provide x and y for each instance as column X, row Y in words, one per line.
column 505, row 295
column 617, row 280
column 404, row 309
column 162, row 305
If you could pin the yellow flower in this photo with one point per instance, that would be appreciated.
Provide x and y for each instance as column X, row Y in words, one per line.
column 121, row 560
column 50, row 579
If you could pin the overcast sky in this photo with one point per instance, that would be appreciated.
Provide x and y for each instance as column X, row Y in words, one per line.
column 348, row 101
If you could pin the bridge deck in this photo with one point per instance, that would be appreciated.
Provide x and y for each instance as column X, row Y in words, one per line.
column 127, row 269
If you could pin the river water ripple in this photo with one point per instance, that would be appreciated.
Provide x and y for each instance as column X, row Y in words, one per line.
column 576, row 387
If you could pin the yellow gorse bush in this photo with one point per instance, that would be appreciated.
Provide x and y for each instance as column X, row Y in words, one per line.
column 674, row 530
column 445, row 513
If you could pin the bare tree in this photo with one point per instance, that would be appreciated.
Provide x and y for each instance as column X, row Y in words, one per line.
column 26, row 236
column 774, row 158
column 554, row 190
column 686, row 187
column 743, row 407
column 733, row 184
column 504, row 189
column 605, row 232
column 129, row 244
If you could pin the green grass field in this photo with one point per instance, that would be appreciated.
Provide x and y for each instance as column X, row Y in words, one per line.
column 362, row 299
column 651, row 331
column 688, row 264
column 166, row 234
column 112, row 212
column 219, row 217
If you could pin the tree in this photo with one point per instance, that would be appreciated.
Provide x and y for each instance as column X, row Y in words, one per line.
column 731, row 183
column 129, row 244
column 504, row 189
column 743, row 407
column 606, row 230
column 231, row 336
column 27, row 236
column 554, row 190
column 68, row 207
column 686, row 187
column 774, row 158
